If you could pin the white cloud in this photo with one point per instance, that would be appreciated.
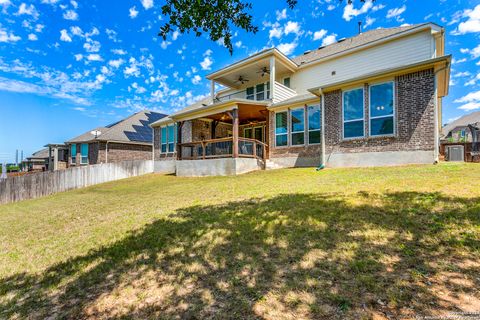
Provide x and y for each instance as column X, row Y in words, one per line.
column 318, row 35
column 275, row 32
column 74, row 4
column 378, row 7
column 39, row 27
column 165, row 44
column 70, row 15
column 196, row 79
column 475, row 52
column 470, row 106
column 455, row 61
column 368, row 22
column 175, row 35
column 78, row 56
column 32, row 37
column 332, row 38
column 472, row 24
column 287, row 48
column 6, row 36
column 462, row 74
column 281, row 14
column 92, row 46
column 392, row 13
column 94, row 57
column 27, row 10
column 76, row 31
column 147, row 4
column 349, row 11
column 5, row 3
column 292, row 27
column 331, row 7
column 64, row 36
column 93, row 32
column 116, row 63
column 120, row 52
column 206, row 63
column 133, row 13
column 238, row 44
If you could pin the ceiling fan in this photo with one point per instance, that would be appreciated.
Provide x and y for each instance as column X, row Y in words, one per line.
column 242, row 80
column 264, row 71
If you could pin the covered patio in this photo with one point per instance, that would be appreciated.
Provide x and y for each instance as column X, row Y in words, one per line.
column 237, row 129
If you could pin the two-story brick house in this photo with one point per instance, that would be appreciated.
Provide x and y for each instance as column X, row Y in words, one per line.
column 369, row 100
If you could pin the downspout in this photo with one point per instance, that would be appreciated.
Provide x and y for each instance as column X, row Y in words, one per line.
column 106, row 152
column 436, row 144
column 322, row 135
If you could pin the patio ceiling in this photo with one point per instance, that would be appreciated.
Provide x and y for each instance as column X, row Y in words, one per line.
column 246, row 114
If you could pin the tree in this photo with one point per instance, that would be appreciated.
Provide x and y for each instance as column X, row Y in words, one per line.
column 214, row 17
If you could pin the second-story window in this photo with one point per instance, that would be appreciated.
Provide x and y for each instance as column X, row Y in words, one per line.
column 260, row 92
column 251, row 93
column 286, row 82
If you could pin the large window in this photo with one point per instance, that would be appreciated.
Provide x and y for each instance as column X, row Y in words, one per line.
column 163, row 134
column 281, row 129
column 168, row 138
column 171, row 137
column 314, row 123
column 260, row 92
column 298, row 126
column 84, row 153
column 381, row 109
column 73, row 152
column 353, row 114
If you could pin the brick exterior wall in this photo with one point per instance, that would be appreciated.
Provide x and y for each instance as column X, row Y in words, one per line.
column 116, row 152
column 414, row 121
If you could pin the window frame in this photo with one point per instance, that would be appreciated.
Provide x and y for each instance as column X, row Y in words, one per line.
column 393, row 114
column 363, row 136
column 81, row 154
column 291, row 132
column 73, row 158
column 167, row 141
column 281, row 134
column 308, row 124
column 162, row 128
column 253, row 96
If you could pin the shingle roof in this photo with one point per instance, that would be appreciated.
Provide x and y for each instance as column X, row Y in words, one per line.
column 349, row 43
column 40, row 154
column 471, row 118
column 135, row 128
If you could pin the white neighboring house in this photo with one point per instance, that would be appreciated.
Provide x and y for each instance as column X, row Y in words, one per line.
column 370, row 100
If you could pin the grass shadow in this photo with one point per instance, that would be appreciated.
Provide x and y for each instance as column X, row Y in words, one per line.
column 292, row 256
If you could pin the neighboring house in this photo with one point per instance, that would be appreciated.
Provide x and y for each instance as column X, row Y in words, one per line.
column 458, row 131
column 127, row 139
column 456, row 139
column 373, row 99
column 38, row 161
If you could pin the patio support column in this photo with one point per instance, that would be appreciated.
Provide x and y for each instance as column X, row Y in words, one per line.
column 272, row 78
column 235, row 122
column 212, row 90
column 179, row 140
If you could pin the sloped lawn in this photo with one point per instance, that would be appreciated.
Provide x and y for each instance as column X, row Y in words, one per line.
column 284, row 244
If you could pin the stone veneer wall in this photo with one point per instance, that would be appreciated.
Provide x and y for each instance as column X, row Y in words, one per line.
column 414, row 107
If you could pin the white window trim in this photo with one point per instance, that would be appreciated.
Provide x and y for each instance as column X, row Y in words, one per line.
column 81, row 156
column 308, row 122
column 266, row 91
column 167, row 143
column 353, row 120
column 166, row 140
column 296, row 132
column 281, row 134
column 370, row 118
column 73, row 158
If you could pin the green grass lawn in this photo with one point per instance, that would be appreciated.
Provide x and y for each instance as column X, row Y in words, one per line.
column 283, row 244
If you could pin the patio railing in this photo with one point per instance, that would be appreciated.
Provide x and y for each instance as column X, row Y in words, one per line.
column 221, row 148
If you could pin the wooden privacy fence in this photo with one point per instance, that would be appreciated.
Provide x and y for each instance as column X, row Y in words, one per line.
column 36, row 185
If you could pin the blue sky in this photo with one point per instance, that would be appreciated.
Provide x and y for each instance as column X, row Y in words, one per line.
column 69, row 66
